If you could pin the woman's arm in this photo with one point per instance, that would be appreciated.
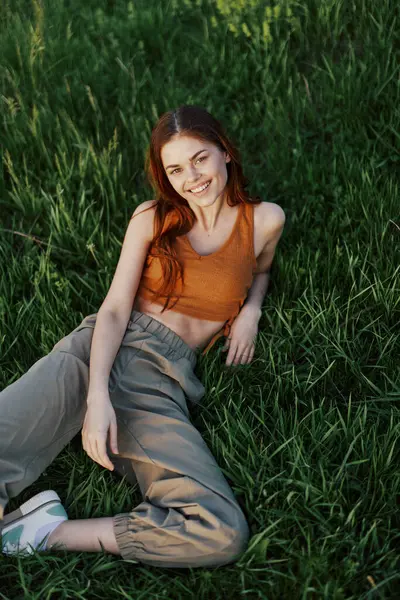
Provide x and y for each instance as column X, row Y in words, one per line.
column 274, row 222
column 113, row 315
column 112, row 319
column 107, row 336
column 256, row 293
column 241, row 339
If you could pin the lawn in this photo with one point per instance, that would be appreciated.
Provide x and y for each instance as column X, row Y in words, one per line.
column 308, row 433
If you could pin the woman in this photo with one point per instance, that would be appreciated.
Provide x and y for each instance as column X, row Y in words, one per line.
column 193, row 266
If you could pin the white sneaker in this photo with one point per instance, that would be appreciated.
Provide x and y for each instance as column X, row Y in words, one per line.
column 27, row 528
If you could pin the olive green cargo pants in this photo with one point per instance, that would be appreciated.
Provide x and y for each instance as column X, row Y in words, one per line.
column 188, row 516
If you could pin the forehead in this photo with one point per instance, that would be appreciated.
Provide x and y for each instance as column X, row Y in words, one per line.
column 182, row 148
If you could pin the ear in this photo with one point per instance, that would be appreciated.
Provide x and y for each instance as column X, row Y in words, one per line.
column 227, row 157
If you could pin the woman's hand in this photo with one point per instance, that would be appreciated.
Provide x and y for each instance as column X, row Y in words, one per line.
column 241, row 341
column 100, row 422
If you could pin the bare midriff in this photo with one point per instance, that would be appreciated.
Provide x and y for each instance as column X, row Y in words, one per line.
column 197, row 333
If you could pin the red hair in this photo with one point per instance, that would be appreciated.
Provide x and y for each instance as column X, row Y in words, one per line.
column 196, row 122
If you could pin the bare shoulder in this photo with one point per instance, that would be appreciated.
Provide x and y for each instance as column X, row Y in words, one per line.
column 146, row 210
column 272, row 220
column 144, row 206
column 136, row 244
column 272, row 216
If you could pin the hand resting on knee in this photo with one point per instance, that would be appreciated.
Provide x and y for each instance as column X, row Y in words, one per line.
column 99, row 424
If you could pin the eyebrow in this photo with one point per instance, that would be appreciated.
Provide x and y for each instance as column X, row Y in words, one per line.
column 193, row 157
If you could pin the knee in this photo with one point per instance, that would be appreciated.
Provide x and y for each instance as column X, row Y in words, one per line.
column 211, row 542
column 77, row 343
column 230, row 553
column 226, row 533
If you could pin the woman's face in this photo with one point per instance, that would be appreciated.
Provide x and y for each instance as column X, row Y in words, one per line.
column 191, row 163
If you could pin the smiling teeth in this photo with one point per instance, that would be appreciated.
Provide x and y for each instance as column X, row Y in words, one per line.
column 200, row 189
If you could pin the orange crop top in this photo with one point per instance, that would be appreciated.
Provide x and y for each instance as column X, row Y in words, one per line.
column 214, row 286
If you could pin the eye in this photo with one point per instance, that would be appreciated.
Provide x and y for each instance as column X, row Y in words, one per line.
column 200, row 158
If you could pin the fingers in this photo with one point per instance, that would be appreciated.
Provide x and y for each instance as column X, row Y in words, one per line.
column 101, row 454
column 95, row 448
column 240, row 355
column 251, row 354
column 113, row 437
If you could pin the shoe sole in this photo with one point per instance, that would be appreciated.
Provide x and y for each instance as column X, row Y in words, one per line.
column 29, row 507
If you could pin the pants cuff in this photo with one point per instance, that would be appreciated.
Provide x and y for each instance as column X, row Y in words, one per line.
column 123, row 536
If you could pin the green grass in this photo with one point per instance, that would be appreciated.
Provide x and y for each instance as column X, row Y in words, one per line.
column 308, row 434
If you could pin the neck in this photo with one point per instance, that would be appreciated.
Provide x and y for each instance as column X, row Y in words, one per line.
column 209, row 218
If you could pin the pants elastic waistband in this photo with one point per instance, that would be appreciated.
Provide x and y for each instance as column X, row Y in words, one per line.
column 163, row 333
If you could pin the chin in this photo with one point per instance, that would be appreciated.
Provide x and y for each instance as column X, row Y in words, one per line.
column 206, row 201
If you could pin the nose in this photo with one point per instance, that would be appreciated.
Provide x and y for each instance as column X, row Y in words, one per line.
column 193, row 174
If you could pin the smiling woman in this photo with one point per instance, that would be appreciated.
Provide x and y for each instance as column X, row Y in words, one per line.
column 189, row 149
column 206, row 244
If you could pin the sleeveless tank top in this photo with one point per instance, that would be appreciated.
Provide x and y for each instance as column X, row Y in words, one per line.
column 215, row 286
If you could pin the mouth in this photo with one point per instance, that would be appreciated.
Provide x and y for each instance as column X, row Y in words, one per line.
column 200, row 188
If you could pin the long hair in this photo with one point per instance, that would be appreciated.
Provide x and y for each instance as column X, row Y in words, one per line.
column 194, row 121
